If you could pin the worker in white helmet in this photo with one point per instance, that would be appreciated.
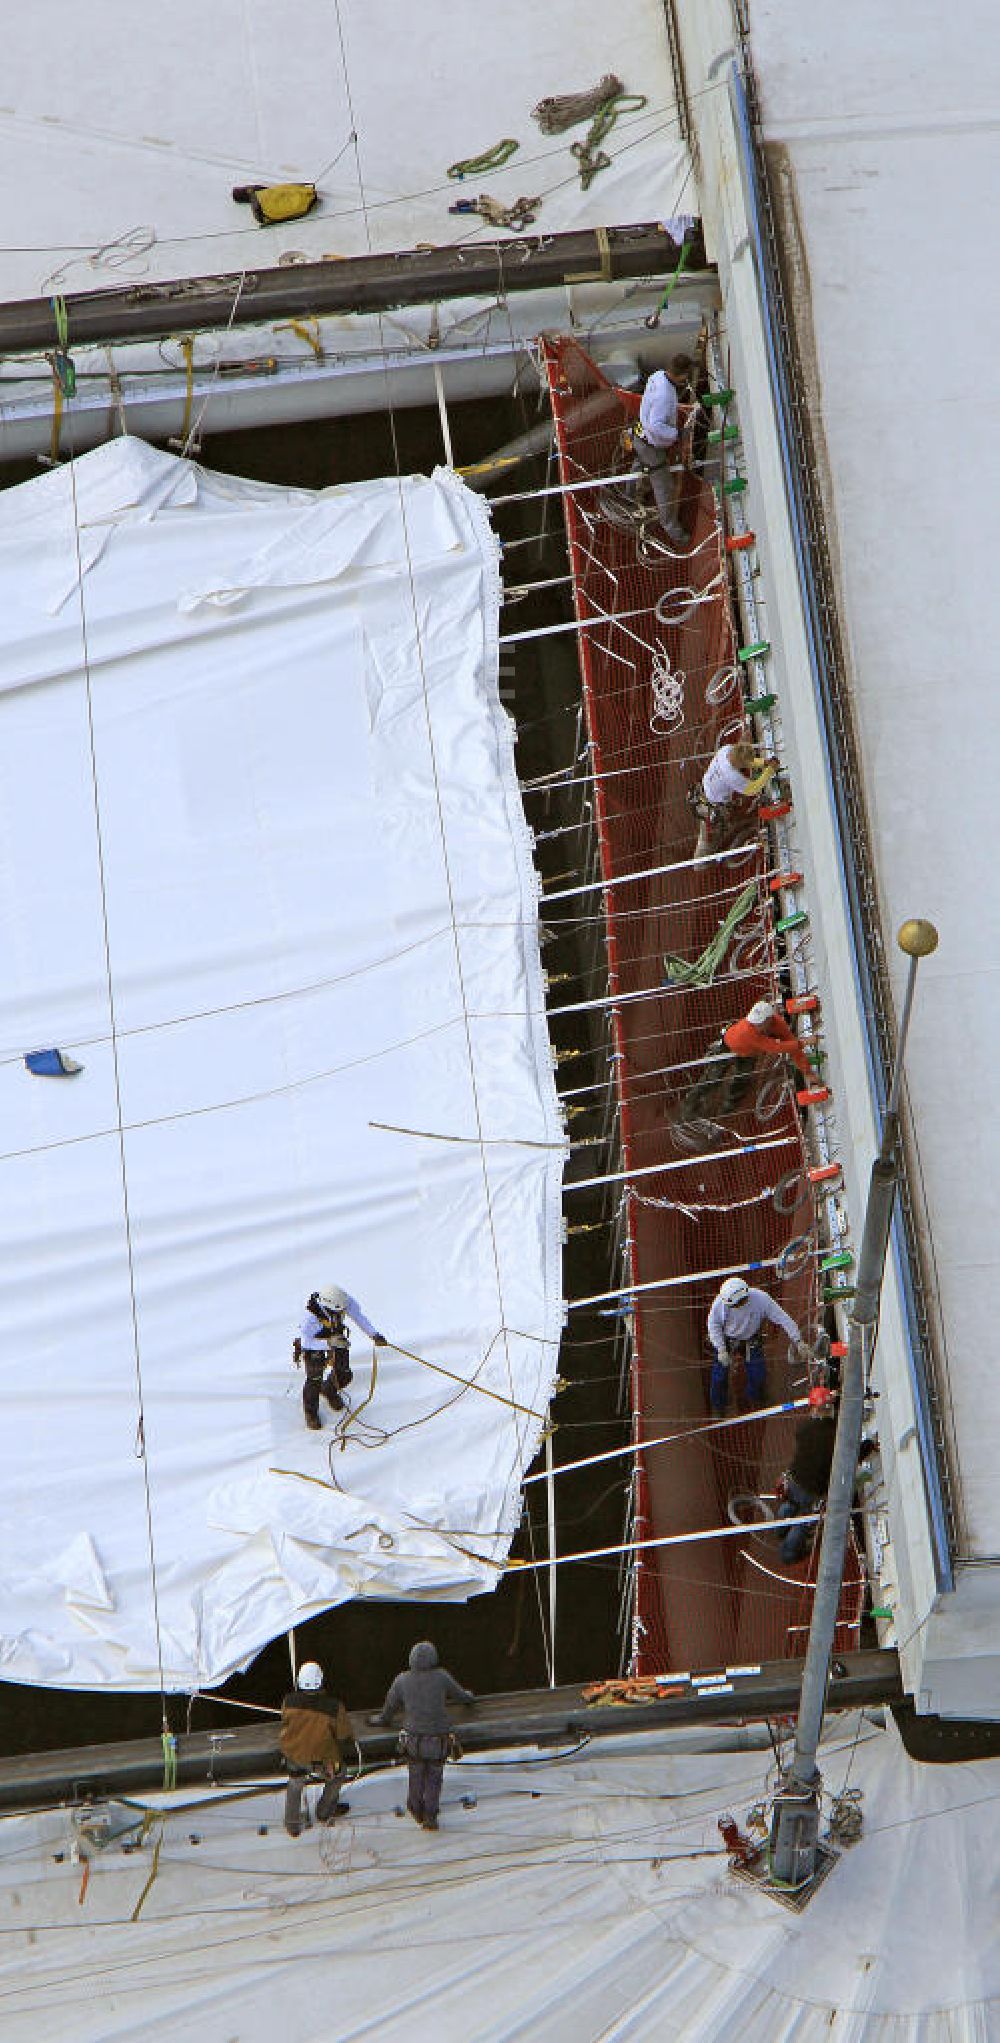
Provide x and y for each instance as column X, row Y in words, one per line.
column 733, row 1059
column 323, row 1346
column 737, row 1313
column 315, row 1727
column 764, row 1033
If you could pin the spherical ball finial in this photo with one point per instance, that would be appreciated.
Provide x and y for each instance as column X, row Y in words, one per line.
column 917, row 938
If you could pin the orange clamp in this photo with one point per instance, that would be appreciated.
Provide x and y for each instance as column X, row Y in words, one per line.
column 784, row 880
column 802, row 1003
column 823, row 1173
column 740, row 542
column 838, row 1348
column 813, row 1095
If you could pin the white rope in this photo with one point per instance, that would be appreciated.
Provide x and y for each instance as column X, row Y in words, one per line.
column 670, row 1439
column 667, row 684
column 674, row 607
column 704, row 1206
column 723, row 683
column 655, row 1170
column 193, row 440
column 627, row 1292
column 599, row 1553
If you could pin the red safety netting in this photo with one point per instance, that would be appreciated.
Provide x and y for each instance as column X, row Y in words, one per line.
column 715, row 1600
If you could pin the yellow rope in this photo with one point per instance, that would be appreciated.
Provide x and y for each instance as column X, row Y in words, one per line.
column 187, row 350
column 351, row 1415
column 307, row 330
column 466, row 1381
column 154, row 1869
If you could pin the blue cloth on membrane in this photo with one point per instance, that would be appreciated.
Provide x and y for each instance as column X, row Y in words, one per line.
column 51, row 1064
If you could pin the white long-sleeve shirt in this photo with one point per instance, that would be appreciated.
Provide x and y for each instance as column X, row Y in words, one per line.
column 722, row 780
column 313, row 1330
column 728, row 1323
column 658, row 410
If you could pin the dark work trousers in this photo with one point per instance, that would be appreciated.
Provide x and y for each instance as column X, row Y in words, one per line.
column 426, row 1755
column 662, row 465
column 798, row 1537
column 323, row 1381
column 326, row 1806
column 722, row 1088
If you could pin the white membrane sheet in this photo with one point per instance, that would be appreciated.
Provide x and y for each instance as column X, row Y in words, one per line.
column 564, row 1899
column 124, row 151
column 265, row 875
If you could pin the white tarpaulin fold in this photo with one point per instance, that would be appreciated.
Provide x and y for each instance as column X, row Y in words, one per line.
column 264, row 872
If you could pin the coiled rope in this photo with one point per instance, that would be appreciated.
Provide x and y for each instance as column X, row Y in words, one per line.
column 556, row 114
column 678, row 972
column 668, row 694
column 603, row 105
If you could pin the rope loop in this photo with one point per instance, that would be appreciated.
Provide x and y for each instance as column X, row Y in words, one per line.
column 794, row 1256
column 788, row 1191
column 491, row 159
column 770, row 1099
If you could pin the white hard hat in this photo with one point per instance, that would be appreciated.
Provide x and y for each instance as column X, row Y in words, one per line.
column 761, row 1012
column 333, row 1297
column 734, row 1290
column 310, row 1675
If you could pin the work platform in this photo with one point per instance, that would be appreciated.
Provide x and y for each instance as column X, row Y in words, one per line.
column 543, row 1717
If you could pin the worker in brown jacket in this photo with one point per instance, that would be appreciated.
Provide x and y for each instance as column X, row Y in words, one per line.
column 314, row 1728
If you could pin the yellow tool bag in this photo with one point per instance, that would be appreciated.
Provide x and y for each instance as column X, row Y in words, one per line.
column 272, row 203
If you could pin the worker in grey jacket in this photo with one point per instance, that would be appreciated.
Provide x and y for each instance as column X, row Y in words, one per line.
column 423, row 1695
column 738, row 1312
column 656, row 442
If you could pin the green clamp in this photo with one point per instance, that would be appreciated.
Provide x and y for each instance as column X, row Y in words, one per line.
column 710, row 397
column 831, row 1292
column 840, row 1260
column 792, row 921
column 62, row 366
column 721, row 434
column 735, row 486
column 757, row 704
column 758, row 651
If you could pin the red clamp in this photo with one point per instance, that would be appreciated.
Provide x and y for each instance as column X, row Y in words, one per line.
column 772, row 810
column 784, row 880
column 823, row 1173
column 813, row 1095
column 740, row 542
column 802, row 1003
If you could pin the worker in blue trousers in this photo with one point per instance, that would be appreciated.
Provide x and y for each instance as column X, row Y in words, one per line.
column 807, row 1477
column 737, row 1314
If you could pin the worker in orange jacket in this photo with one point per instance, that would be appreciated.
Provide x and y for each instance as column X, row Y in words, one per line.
column 733, row 1058
column 764, row 1032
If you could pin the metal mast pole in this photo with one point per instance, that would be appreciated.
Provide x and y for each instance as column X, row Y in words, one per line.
column 795, row 1816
